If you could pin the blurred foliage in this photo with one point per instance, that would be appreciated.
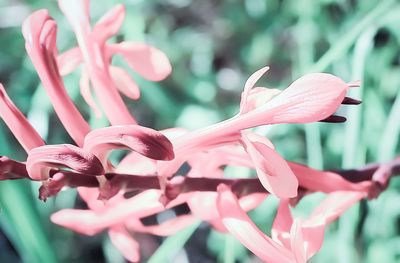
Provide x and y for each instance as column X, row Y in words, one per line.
column 213, row 47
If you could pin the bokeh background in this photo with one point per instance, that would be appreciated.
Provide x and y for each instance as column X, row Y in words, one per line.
column 213, row 47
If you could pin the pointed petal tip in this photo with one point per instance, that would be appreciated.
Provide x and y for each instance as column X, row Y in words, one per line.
column 82, row 221
column 149, row 62
column 251, row 81
column 109, row 24
column 38, row 25
column 125, row 243
column 124, row 82
column 272, row 169
column 354, row 84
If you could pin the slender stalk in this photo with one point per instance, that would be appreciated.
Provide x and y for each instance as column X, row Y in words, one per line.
column 179, row 184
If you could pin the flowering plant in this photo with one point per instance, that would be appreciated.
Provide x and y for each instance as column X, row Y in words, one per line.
column 147, row 181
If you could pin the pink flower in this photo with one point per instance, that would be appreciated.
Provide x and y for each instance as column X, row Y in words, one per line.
column 42, row 160
column 96, row 55
column 271, row 168
column 313, row 97
column 292, row 241
column 120, row 216
column 40, row 33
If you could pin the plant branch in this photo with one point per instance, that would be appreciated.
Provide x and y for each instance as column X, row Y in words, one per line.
column 380, row 173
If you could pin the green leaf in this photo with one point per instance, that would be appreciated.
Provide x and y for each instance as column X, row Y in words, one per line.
column 172, row 244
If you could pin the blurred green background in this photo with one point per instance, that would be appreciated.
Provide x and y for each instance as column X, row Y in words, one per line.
column 213, row 47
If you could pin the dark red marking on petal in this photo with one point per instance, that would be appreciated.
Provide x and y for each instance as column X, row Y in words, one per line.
column 334, row 119
column 351, row 101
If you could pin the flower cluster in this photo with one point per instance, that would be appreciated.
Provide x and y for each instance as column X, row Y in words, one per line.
column 145, row 182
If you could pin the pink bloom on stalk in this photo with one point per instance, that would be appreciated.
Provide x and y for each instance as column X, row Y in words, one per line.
column 312, row 179
column 305, row 237
column 242, row 228
column 96, row 55
column 42, row 160
column 40, row 32
column 203, row 205
column 292, row 241
column 120, row 216
column 311, row 98
column 146, row 141
column 324, row 181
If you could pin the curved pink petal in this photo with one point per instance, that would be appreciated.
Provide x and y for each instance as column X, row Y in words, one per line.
column 272, row 170
column 124, row 82
column 303, row 240
column 203, row 205
column 86, row 93
column 135, row 163
column 331, row 208
column 42, row 159
column 334, row 205
column 206, row 164
column 251, row 201
column 68, row 61
column 380, row 180
column 313, row 237
column 52, row 186
column 148, row 61
column 93, row 54
column 323, row 181
column 40, row 31
column 258, row 97
column 90, row 196
column 90, row 222
column 236, row 156
column 125, row 243
column 142, row 205
column 17, row 123
column 218, row 225
column 82, row 221
column 167, row 228
column 251, row 81
column 240, row 226
column 254, row 137
column 297, row 242
column 145, row 141
column 283, row 221
column 310, row 98
column 109, row 24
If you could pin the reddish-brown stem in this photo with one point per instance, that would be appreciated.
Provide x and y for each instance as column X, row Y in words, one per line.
column 10, row 170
